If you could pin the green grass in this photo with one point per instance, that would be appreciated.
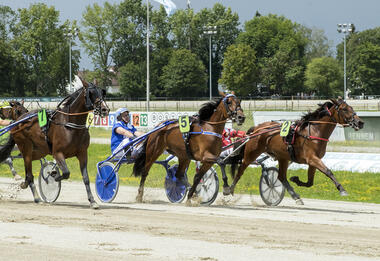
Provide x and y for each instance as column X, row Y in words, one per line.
column 362, row 187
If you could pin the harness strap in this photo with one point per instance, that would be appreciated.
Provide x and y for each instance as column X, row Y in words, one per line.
column 317, row 138
column 206, row 133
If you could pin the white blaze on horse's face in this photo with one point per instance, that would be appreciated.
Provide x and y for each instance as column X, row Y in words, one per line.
column 234, row 111
column 347, row 115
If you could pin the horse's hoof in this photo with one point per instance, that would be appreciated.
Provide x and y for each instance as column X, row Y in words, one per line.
column 294, row 179
column 299, row 202
column 23, row 185
column 226, row 191
column 58, row 178
column 343, row 193
column 94, row 205
column 38, row 201
column 188, row 203
column 139, row 199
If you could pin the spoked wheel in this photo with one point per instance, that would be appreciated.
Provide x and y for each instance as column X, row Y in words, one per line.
column 208, row 188
column 49, row 188
column 174, row 189
column 107, row 182
column 271, row 189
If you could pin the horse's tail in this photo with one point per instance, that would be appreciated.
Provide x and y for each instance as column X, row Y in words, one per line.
column 235, row 160
column 139, row 166
column 6, row 149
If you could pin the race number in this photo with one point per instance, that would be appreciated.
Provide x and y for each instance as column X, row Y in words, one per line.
column 136, row 120
column 90, row 120
column 42, row 118
column 285, row 127
column 184, row 124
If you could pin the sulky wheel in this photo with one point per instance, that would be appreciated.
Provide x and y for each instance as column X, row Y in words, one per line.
column 107, row 182
column 49, row 188
column 208, row 188
column 271, row 189
column 174, row 189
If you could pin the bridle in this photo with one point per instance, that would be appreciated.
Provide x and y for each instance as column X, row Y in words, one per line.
column 90, row 106
column 339, row 111
column 231, row 114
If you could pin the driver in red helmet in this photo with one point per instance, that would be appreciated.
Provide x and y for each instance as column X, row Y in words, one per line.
column 229, row 136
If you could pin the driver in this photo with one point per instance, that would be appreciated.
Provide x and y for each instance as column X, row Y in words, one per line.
column 228, row 136
column 123, row 131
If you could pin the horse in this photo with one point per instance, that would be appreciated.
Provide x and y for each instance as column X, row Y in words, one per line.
column 65, row 135
column 311, row 134
column 12, row 110
column 204, row 142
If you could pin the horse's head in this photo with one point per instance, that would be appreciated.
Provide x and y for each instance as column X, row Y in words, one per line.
column 95, row 99
column 12, row 110
column 345, row 114
column 233, row 109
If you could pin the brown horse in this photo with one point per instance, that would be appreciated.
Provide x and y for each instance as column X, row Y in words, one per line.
column 204, row 142
column 312, row 132
column 66, row 136
column 12, row 110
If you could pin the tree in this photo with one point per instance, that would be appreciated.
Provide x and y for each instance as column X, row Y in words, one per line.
column 98, row 39
column 132, row 80
column 7, row 20
column 39, row 43
column 324, row 77
column 318, row 45
column 363, row 56
column 129, row 33
column 280, row 48
column 188, row 27
column 184, row 76
column 240, row 72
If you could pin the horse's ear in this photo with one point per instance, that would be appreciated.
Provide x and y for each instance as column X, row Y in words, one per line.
column 84, row 83
column 22, row 102
column 222, row 93
column 11, row 103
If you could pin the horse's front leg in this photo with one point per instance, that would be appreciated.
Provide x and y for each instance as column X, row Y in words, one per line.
column 317, row 162
column 310, row 178
column 283, row 168
column 29, row 179
column 82, row 157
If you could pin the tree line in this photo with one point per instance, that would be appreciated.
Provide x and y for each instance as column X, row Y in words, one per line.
column 268, row 54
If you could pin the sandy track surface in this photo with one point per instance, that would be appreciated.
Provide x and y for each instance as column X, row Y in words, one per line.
column 158, row 230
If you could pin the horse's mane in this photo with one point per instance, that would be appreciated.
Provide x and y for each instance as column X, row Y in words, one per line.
column 315, row 115
column 71, row 97
column 208, row 109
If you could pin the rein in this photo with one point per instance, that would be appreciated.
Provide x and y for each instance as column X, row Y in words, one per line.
column 74, row 113
column 215, row 122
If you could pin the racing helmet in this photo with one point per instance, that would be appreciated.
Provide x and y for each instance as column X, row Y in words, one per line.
column 120, row 111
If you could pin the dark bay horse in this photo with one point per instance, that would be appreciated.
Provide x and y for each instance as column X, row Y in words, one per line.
column 205, row 142
column 12, row 110
column 312, row 132
column 66, row 136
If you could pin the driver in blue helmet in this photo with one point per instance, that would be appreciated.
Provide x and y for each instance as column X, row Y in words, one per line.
column 123, row 131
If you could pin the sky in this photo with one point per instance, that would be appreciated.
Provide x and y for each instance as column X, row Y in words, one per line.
column 322, row 14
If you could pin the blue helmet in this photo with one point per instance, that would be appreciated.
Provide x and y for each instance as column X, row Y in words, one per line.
column 120, row 111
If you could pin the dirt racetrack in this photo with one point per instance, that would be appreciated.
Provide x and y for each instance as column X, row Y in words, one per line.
column 159, row 230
